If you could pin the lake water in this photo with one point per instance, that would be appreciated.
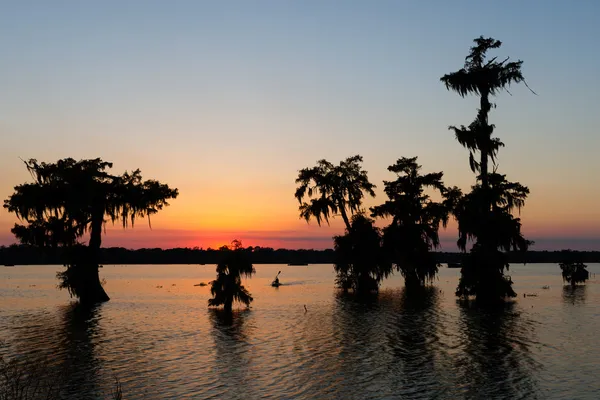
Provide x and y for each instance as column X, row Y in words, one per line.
column 162, row 342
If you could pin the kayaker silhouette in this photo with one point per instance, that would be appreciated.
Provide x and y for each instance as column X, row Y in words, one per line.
column 276, row 280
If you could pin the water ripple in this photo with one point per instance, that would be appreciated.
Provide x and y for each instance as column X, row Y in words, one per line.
column 400, row 345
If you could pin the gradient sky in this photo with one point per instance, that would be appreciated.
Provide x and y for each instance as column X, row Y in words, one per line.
column 227, row 100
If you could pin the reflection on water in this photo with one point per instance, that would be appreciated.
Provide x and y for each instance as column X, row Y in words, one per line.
column 231, row 353
column 387, row 344
column 165, row 344
column 81, row 330
column 496, row 361
column 574, row 294
column 65, row 341
column 415, row 342
column 359, row 331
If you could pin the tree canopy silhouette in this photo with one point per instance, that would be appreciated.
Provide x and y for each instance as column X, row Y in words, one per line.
column 333, row 188
column 496, row 232
column 484, row 78
column 416, row 218
column 69, row 199
column 573, row 270
column 485, row 214
column 228, row 287
column 360, row 263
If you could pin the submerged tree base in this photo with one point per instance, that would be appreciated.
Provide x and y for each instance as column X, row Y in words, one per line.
column 228, row 287
column 362, row 285
column 360, row 263
column 82, row 280
column 482, row 277
column 573, row 271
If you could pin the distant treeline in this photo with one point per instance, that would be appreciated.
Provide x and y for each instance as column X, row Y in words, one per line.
column 27, row 255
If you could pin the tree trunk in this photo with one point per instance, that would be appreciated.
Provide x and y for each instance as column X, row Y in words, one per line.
column 228, row 306
column 92, row 290
column 484, row 171
column 345, row 218
column 485, row 109
column 486, row 205
column 411, row 281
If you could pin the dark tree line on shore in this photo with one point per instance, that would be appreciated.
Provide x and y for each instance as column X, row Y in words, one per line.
column 29, row 255
column 69, row 200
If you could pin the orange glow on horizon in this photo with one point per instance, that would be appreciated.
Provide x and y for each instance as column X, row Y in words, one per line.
column 216, row 216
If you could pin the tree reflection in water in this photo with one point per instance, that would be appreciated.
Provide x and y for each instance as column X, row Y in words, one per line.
column 66, row 346
column 232, row 362
column 389, row 345
column 413, row 338
column 405, row 345
column 358, row 324
column 574, row 294
column 495, row 361
column 80, row 329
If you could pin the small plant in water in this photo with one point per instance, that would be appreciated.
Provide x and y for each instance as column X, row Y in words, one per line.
column 29, row 379
column 117, row 393
column 25, row 379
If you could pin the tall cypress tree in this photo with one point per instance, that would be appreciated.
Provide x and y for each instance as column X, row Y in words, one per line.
column 485, row 214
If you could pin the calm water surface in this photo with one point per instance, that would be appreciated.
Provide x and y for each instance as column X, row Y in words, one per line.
column 162, row 342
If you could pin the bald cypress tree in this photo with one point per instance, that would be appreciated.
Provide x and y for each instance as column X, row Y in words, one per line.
column 227, row 287
column 485, row 214
column 69, row 199
column 415, row 219
column 327, row 189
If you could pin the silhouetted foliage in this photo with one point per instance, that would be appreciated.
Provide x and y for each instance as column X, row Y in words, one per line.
column 484, row 78
column 228, row 287
column 69, row 199
column 332, row 189
column 573, row 270
column 413, row 231
column 485, row 214
column 496, row 232
column 504, row 197
column 360, row 262
column 28, row 380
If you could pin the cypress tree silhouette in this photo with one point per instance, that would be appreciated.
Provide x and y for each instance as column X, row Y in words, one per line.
column 573, row 270
column 360, row 263
column 484, row 215
column 228, row 287
column 71, row 198
column 416, row 219
column 341, row 188
column 332, row 189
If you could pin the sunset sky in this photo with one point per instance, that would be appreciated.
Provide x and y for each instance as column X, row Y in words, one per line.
column 227, row 101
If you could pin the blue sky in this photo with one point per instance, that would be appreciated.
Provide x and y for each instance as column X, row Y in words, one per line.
column 227, row 100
